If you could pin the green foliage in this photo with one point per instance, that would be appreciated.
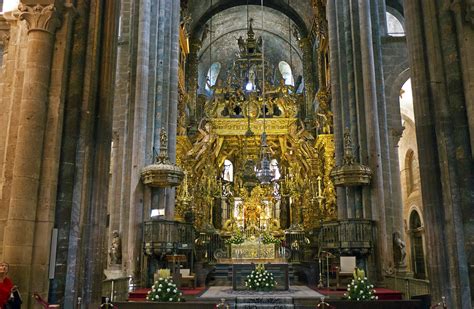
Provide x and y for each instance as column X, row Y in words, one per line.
column 164, row 290
column 360, row 288
column 236, row 239
column 260, row 280
column 268, row 238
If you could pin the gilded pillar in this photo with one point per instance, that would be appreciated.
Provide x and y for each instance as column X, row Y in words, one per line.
column 42, row 22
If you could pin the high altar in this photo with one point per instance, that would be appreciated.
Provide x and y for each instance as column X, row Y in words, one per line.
column 246, row 131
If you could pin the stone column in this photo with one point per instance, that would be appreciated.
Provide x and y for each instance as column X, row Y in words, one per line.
column 373, row 133
column 133, row 252
column 336, row 99
column 305, row 45
column 42, row 22
column 173, row 99
column 442, row 130
column 396, row 192
column 192, row 78
column 166, row 98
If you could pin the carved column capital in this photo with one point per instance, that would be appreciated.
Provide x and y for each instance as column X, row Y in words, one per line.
column 397, row 133
column 305, row 44
column 4, row 40
column 4, row 34
column 39, row 17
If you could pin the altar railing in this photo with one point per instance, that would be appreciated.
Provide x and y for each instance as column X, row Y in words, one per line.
column 350, row 234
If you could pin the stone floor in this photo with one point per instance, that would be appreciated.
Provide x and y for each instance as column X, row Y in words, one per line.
column 218, row 292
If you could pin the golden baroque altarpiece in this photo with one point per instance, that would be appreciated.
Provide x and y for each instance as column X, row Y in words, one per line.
column 220, row 161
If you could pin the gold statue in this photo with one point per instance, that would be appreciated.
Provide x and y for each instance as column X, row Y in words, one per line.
column 203, row 142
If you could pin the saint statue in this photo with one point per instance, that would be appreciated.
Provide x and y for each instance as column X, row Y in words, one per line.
column 399, row 250
column 115, row 251
column 227, row 174
column 241, row 43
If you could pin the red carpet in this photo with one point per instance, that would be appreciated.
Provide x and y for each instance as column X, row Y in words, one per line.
column 141, row 293
column 381, row 293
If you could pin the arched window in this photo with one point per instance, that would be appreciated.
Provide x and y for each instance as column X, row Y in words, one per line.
column 417, row 252
column 409, row 171
column 285, row 71
column 394, row 26
column 406, row 100
column 212, row 74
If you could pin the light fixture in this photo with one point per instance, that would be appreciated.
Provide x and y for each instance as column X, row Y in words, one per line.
column 264, row 174
column 249, row 86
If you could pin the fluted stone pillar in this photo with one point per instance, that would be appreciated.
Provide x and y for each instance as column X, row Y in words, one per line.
column 172, row 119
column 355, row 104
column 336, row 99
column 166, row 100
column 440, row 101
column 305, row 45
column 133, row 252
column 192, row 81
column 373, row 133
column 42, row 22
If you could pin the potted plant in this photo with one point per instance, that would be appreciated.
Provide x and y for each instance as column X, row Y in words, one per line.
column 360, row 288
column 260, row 279
column 165, row 290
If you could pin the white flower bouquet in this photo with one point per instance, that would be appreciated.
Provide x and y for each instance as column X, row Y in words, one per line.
column 260, row 280
column 360, row 288
column 164, row 290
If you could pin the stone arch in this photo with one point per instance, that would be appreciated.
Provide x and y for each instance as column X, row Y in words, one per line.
column 394, row 21
column 401, row 74
column 397, row 14
column 279, row 5
column 396, row 6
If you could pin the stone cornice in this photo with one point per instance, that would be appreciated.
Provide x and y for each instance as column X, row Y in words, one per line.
column 39, row 17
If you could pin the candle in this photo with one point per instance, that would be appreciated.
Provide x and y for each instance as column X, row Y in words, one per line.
column 319, row 185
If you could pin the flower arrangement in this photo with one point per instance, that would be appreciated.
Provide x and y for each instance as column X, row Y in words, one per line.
column 268, row 238
column 260, row 279
column 360, row 288
column 236, row 239
column 164, row 290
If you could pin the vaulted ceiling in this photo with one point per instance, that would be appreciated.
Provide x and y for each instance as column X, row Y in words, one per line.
column 275, row 21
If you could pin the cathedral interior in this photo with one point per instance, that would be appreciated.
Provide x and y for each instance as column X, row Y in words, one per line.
column 142, row 135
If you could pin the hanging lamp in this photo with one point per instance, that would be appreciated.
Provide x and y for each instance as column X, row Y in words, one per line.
column 264, row 174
